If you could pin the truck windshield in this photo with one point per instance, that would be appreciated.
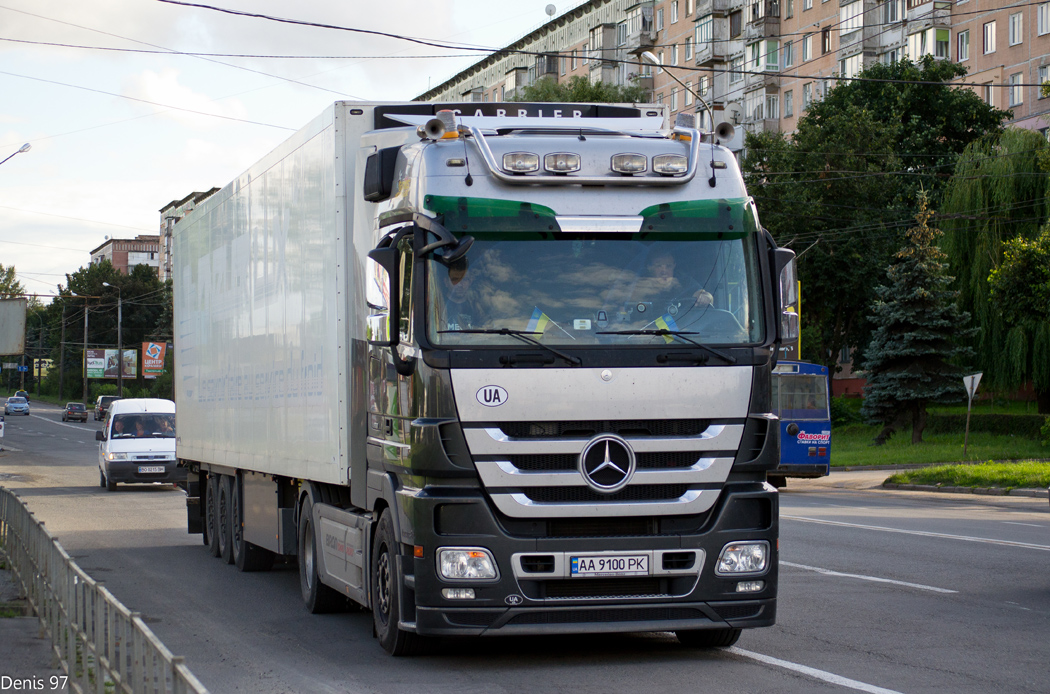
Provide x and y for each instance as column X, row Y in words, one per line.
column 600, row 289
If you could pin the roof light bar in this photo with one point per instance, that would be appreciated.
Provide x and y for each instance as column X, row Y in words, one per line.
column 521, row 162
column 628, row 163
column 670, row 164
column 561, row 162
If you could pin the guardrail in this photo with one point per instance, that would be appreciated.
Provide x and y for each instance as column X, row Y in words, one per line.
column 103, row 646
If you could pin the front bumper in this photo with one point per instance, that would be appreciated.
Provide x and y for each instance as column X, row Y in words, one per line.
column 514, row 603
column 127, row 472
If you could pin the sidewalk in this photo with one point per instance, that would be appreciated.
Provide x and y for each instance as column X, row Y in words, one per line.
column 25, row 655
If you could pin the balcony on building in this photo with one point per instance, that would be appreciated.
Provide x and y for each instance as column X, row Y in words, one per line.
column 641, row 27
column 763, row 19
column 711, row 39
column 718, row 8
column 937, row 13
column 547, row 66
column 762, row 62
column 475, row 95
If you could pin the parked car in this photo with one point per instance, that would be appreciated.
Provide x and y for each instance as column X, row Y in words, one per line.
column 22, row 394
column 102, row 406
column 74, row 410
column 16, row 405
column 137, row 444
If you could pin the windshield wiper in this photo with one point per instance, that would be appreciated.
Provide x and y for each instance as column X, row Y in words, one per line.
column 680, row 334
column 523, row 335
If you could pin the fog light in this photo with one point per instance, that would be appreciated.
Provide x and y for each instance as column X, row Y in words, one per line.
column 466, row 563
column 670, row 164
column 561, row 162
column 628, row 163
column 747, row 586
column 743, row 558
column 458, row 593
column 521, row 162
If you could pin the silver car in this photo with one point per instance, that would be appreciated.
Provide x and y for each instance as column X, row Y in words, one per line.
column 16, row 406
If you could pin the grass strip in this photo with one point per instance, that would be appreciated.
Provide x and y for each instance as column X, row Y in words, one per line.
column 851, row 446
column 1020, row 475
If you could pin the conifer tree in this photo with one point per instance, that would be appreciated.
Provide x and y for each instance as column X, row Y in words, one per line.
column 911, row 360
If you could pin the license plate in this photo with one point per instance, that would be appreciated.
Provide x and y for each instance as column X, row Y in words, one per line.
column 611, row 565
column 144, row 469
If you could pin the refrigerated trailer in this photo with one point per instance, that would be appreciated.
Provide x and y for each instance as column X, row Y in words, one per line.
column 489, row 369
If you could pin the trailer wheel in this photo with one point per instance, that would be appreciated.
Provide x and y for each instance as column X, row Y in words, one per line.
column 707, row 638
column 318, row 597
column 246, row 556
column 386, row 594
column 225, row 520
column 211, row 514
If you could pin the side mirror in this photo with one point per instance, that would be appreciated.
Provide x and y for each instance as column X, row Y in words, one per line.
column 100, row 435
column 788, row 290
column 381, row 295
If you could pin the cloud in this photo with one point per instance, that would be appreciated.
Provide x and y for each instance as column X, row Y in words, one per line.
column 165, row 88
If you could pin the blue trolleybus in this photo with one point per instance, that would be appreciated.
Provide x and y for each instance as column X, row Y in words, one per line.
column 800, row 399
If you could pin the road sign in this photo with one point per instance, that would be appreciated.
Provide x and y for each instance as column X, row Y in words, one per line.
column 971, row 383
column 23, row 368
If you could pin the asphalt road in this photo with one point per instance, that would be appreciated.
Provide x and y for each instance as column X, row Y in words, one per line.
column 879, row 592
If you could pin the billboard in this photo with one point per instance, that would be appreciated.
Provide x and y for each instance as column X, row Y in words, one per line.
column 12, row 326
column 153, row 358
column 102, row 363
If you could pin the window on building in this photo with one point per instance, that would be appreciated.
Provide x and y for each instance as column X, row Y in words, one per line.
column 674, row 54
column 703, row 85
column 660, row 97
column 850, row 67
column 736, row 70
column 892, row 11
column 659, row 63
column 660, row 19
column 807, row 54
column 1016, row 90
column 807, row 5
column 688, row 48
column 754, row 52
column 789, row 9
column 1042, row 19
column 704, row 31
column 687, row 94
column 789, row 104
column 917, row 45
column 756, row 10
column 807, row 95
column 772, row 55
column 1016, row 25
column 674, row 99
column 573, row 61
column 825, row 40
column 963, row 46
column 674, row 12
column 689, row 4
column 1043, row 74
column 988, row 94
column 851, row 17
column 989, row 37
column 621, row 34
column 735, row 23
column 891, row 56
column 789, row 54
column 772, row 106
column 942, row 42
column 754, row 103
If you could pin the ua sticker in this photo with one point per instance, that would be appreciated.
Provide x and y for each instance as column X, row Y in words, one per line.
column 492, row 396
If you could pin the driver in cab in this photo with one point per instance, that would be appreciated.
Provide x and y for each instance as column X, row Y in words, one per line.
column 460, row 309
column 660, row 292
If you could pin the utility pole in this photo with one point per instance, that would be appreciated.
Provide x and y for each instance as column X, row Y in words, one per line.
column 85, row 352
column 62, row 354
column 120, row 342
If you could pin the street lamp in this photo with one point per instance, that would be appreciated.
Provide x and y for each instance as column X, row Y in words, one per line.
column 24, row 148
column 120, row 342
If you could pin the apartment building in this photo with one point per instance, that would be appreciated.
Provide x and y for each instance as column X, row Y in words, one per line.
column 760, row 63
column 125, row 254
column 169, row 214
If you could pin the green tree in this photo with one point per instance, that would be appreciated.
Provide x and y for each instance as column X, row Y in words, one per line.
column 9, row 284
column 1020, row 292
column 847, row 181
column 912, row 358
column 999, row 192
column 581, row 90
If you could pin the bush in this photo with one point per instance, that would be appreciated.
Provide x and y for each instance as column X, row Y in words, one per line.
column 845, row 411
column 1027, row 426
column 1045, row 431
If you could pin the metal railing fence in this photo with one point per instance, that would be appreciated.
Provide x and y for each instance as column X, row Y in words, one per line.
column 102, row 645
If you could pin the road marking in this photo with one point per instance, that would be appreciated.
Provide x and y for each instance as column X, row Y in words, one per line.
column 922, row 533
column 829, row 572
column 1030, row 525
column 829, row 677
column 61, row 424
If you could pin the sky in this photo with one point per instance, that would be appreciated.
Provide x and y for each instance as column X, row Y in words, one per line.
column 117, row 135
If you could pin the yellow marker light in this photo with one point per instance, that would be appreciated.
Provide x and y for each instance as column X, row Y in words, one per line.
column 561, row 162
column 670, row 164
column 629, row 163
column 521, row 162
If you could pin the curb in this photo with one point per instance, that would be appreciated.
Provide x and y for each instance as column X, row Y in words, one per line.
column 987, row 491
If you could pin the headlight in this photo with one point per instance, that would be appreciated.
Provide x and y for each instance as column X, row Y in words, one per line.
column 466, row 563
column 629, row 163
column 743, row 558
column 561, row 162
column 116, row 456
column 669, row 164
column 521, row 162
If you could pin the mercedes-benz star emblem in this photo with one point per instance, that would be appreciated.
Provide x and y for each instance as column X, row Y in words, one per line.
column 607, row 463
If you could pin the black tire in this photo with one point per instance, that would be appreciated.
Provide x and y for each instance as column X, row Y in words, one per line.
column 707, row 638
column 101, row 478
column 224, row 517
column 319, row 598
column 246, row 556
column 111, row 486
column 211, row 514
column 386, row 593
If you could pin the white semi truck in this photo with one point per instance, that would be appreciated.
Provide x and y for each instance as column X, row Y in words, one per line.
column 489, row 369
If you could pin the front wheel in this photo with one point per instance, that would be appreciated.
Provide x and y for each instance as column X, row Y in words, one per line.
column 707, row 638
column 386, row 593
